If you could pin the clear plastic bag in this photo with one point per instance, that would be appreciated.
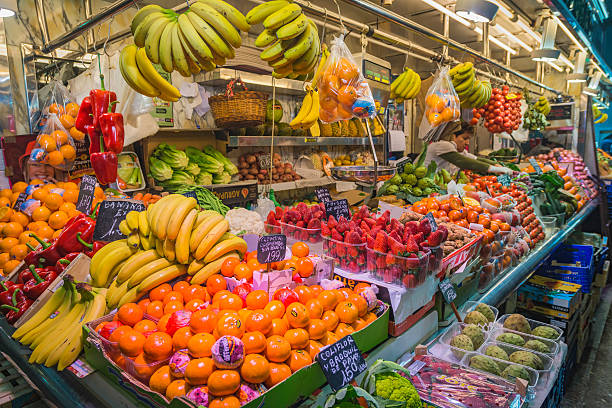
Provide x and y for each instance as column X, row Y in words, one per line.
column 54, row 145
column 61, row 103
column 343, row 91
column 441, row 107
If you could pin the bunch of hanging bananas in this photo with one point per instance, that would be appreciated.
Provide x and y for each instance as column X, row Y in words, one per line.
column 308, row 115
column 140, row 74
column 598, row 116
column 542, row 106
column 199, row 39
column 54, row 333
column 406, row 86
column 472, row 92
column 290, row 39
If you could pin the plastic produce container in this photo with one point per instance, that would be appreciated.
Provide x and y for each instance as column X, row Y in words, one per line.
column 435, row 259
column 272, row 229
column 409, row 272
column 533, row 324
column 350, row 257
column 471, row 305
column 534, row 376
column 549, row 224
column 547, row 361
column 310, row 236
column 498, row 331
column 143, row 371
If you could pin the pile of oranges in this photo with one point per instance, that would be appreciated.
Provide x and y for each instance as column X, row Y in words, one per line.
column 300, row 263
column 168, row 338
column 441, row 108
column 58, row 151
column 50, row 207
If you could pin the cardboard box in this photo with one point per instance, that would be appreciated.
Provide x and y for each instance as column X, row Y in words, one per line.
column 550, row 297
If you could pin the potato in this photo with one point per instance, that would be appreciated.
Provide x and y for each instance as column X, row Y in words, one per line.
column 276, row 162
column 251, row 159
column 264, row 172
column 253, row 170
column 260, row 177
column 250, row 177
column 243, row 172
column 277, row 156
column 243, row 165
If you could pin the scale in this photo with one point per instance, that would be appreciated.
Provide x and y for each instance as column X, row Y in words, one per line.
column 378, row 74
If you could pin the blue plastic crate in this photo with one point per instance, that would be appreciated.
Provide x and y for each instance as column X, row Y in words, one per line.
column 559, row 265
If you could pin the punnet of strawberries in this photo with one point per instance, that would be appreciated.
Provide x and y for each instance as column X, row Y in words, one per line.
column 302, row 223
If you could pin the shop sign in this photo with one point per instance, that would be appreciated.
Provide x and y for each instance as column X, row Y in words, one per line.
column 341, row 362
column 232, row 195
column 82, row 164
column 110, row 214
column 86, row 194
column 271, row 248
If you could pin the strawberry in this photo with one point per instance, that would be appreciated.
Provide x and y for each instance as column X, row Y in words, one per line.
column 395, row 247
column 352, row 267
column 336, row 236
column 343, row 225
column 271, row 219
column 341, row 250
column 394, row 223
column 314, row 223
column 381, row 263
column 375, row 230
column 369, row 241
column 354, row 238
column 380, row 243
column 352, row 225
column 307, row 216
column 386, row 215
column 279, row 213
column 412, row 246
column 325, row 230
column 363, row 212
column 388, row 228
column 424, row 227
column 317, row 214
column 395, row 236
column 406, row 235
column 412, row 226
column 300, row 224
column 419, row 237
column 370, row 221
column 359, row 232
column 332, row 223
column 361, row 259
column 444, row 231
column 389, row 259
column 424, row 245
column 436, row 238
column 322, row 206
column 364, row 227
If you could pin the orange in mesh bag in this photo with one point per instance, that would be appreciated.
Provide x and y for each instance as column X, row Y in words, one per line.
column 54, row 145
column 441, row 106
column 343, row 91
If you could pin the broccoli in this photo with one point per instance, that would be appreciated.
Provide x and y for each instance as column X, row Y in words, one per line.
column 394, row 387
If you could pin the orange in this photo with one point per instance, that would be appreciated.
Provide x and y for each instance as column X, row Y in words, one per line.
column 173, row 306
column 346, row 71
column 230, row 325
column 195, row 304
column 68, row 152
column 159, row 292
column 359, row 324
column 143, row 303
column 254, row 342
column 14, row 198
column 278, row 349
column 220, row 295
column 158, row 346
column 231, row 302
column 343, row 293
column 343, row 329
column 60, row 137
column 56, row 108
column 53, row 201
column 19, row 252
column 315, row 290
column 315, row 309
column 173, row 295
column 227, row 268
column 130, row 314
column 347, row 95
column 313, row 348
column 10, row 265
column 198, row 371
column 329, row 338
column 255, row 369
column 203, row 321
column 300, row 249
column 8, row 243
column 304, row 293
column 347, row 312
column 195, row 292
column 20, row 218
column 297, row 338
column 41, row 213
column 259, row 320
column 67, row 122
column 58, row 219
column 257, row 299
column 223, row 382
column 7, row 192
column 142, row 366
column 297, row 315
column 316, row 329
column 69, row 185
column 160, row 379
column 5, row 202
column 278, row 373
column 155, row 309
column 145, row 326
column 275, row 308
column 242, row 271
column 370, row 317
column 328, row 299
column 360, row 302
column 200, row 344
column 299, row 359
column 229, row 401
column 215, row 283
column 56, row 234
column 67, row 207
column 176, row 388
column 254, row 265
column 131, row 344
column 118, row 333
column 180, row 287
column 55, row 158
column 19, row 187
column 77, row 134
column 4, row 258
column 72, row 109
column 279, row 327
column 12, row 229
column 330, row 319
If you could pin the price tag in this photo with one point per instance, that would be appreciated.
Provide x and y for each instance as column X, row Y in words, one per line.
column 341, row 362
column 432, row 221
column 447, row 290
column 20, row 199
column 339, row 208
column 271, row 248
column 535, row 165
column 110, row 214
column 399, row 165
column 322, row 194
column 504, row 179
column 86, row 193
column 310, row 140
column 264, row 161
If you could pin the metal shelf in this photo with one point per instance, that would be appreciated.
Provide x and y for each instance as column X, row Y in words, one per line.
column 294, row 185
column 255, row 81
column 261, row 141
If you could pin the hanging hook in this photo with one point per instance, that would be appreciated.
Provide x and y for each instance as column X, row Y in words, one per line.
column 136, row 4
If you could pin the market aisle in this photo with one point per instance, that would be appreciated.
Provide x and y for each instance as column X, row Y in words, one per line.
column 591, row 385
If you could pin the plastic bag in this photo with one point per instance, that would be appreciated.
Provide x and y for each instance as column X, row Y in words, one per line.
column 343, row 91
column 54, row 145
column 441, row 107
column 58, row 101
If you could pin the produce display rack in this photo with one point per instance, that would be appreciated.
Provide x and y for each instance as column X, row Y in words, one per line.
column 266, row 141
column 254, row 81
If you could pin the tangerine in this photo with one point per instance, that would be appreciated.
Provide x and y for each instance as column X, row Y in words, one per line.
column 163, row 322
column 259, row 320
column 275, row 308
column 313, row 348
column 200, row 345
column 300, row 249
column 343, row 293
column 130, row 314
column 315, row 309
column 329, row 338
column 299, row 359
column 131, row 343
column 230, row 325
column 181, row 337
column 297, row 315
column 231, row 302
column 58, row 219
column 227, row 268
column 228, row 401
column 173, row 295
column 155, row 309
column 360, row 302
column 195, row 304
column 222, row 294
column 145, row 326
column 160, row 379
column 279, row 327
column 142, row 366
column 315, row 290
column 257, row 299
column 331, row 320
column 305, row 267
column 328, row 299
column 297, row 338
column 118, row 333
column 19, row 187
column 223, row 382
column 255, row 369
column 242, row 271
column 316, row 329
column 158, row 346
column 278, row 373
column 20, row 218
column 343, row 329
column 203, row 321
column 254, row 342
column 215, row 283
column 176, row 388
column 173, row 306
column 77, row 134
column 195, row 292
column 278, row 349
column 198, row 370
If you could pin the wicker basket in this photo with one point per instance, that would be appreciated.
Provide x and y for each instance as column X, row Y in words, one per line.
column 240, row 109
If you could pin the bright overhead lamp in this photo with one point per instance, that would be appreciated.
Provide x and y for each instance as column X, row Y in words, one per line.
column 578, row 75
column 593, row 85
column 8, row 8
column 547, row 50
column 480, row 11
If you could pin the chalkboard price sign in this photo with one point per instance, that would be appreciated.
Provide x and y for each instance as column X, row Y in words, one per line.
column 322, row 194
column 341, row 362
column 432, row 221
column 535, row 165
column 504, row 179
column 86, row 194
column 264, row 161
column 110, row 214
column 338, row 208
column 271, row 248
column 20, row 199
column 447, row 290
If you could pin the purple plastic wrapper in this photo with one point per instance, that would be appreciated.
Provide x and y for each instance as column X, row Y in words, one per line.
column 228, row 352
column 199, row 395
column 178, row 363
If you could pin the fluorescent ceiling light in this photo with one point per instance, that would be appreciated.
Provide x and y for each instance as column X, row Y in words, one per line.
column 494, row 40
column 578, row 75
column 448, row 12
column 547, row 50
column 8, row 8
column 513, row 37
column 480, row 11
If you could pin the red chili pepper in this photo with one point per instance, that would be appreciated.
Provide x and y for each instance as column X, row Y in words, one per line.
column 101, row 100
column 49, row 253
column 111, row 125
column 94, row 134
column 43, row 277
column 63, row 263
column 72, row 237
column 85, row 115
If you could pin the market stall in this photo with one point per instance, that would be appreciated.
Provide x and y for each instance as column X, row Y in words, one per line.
column 255, row 203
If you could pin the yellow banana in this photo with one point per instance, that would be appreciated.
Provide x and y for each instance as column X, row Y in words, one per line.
column 202, row 230
column 313, row 115
column 182, row 239
column 324, row 55
column 169, row 250
column 143, row 223
column 260, row 12
column 179, row 61
column 142, row 14
column 195, row 266
column 131, row 296
column 211, row 239
column 216, row 44
column 150, row 73
column 124, row 228
column 54, row 318
column 132, row 220
column 179, row 215
column 146, row 270
column 60, row 296
column 202, row 215
column 143, row 28
column 159, row 247
column 197, row 44
column 113, row 297
column 165, row 47
column 283, row 16
column 163, row 218
column 236, row 244
column 292, row 29
column 100, row 256
column 110, row 261
column 163, row 276
column 266, row 38
column 144, row 241
column 218, row 22
column 210, row 269
column 131, row 74
column 134, row 263
column 152, row 40
column 234, row 16
column 304, row 42
column 304, row 110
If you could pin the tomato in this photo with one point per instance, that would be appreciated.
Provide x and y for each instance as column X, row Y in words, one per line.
column 474, row 121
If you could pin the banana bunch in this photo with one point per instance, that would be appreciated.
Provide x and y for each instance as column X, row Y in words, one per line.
column 596, row 112
column 199, row 39
column 105, row 263
column 308, row 115
column 598, row 116
column 406, row 86
column 472, row 92
column 542, row 106
column 290, row 39
column 136, row 227
column 54, row 333
column 140, row 74
column 602, row 118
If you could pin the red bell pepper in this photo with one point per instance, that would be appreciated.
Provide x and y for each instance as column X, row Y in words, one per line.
column 13, row 313
column 24, row 276
column 85, row 115
column 94, row 134
column 104, row 165
column 11, row 294
column 111, row 126
column 63, row 263
column 94, row 247
column 43, row 277
column 78, row 231
column 48, row 254
column 101, row 102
